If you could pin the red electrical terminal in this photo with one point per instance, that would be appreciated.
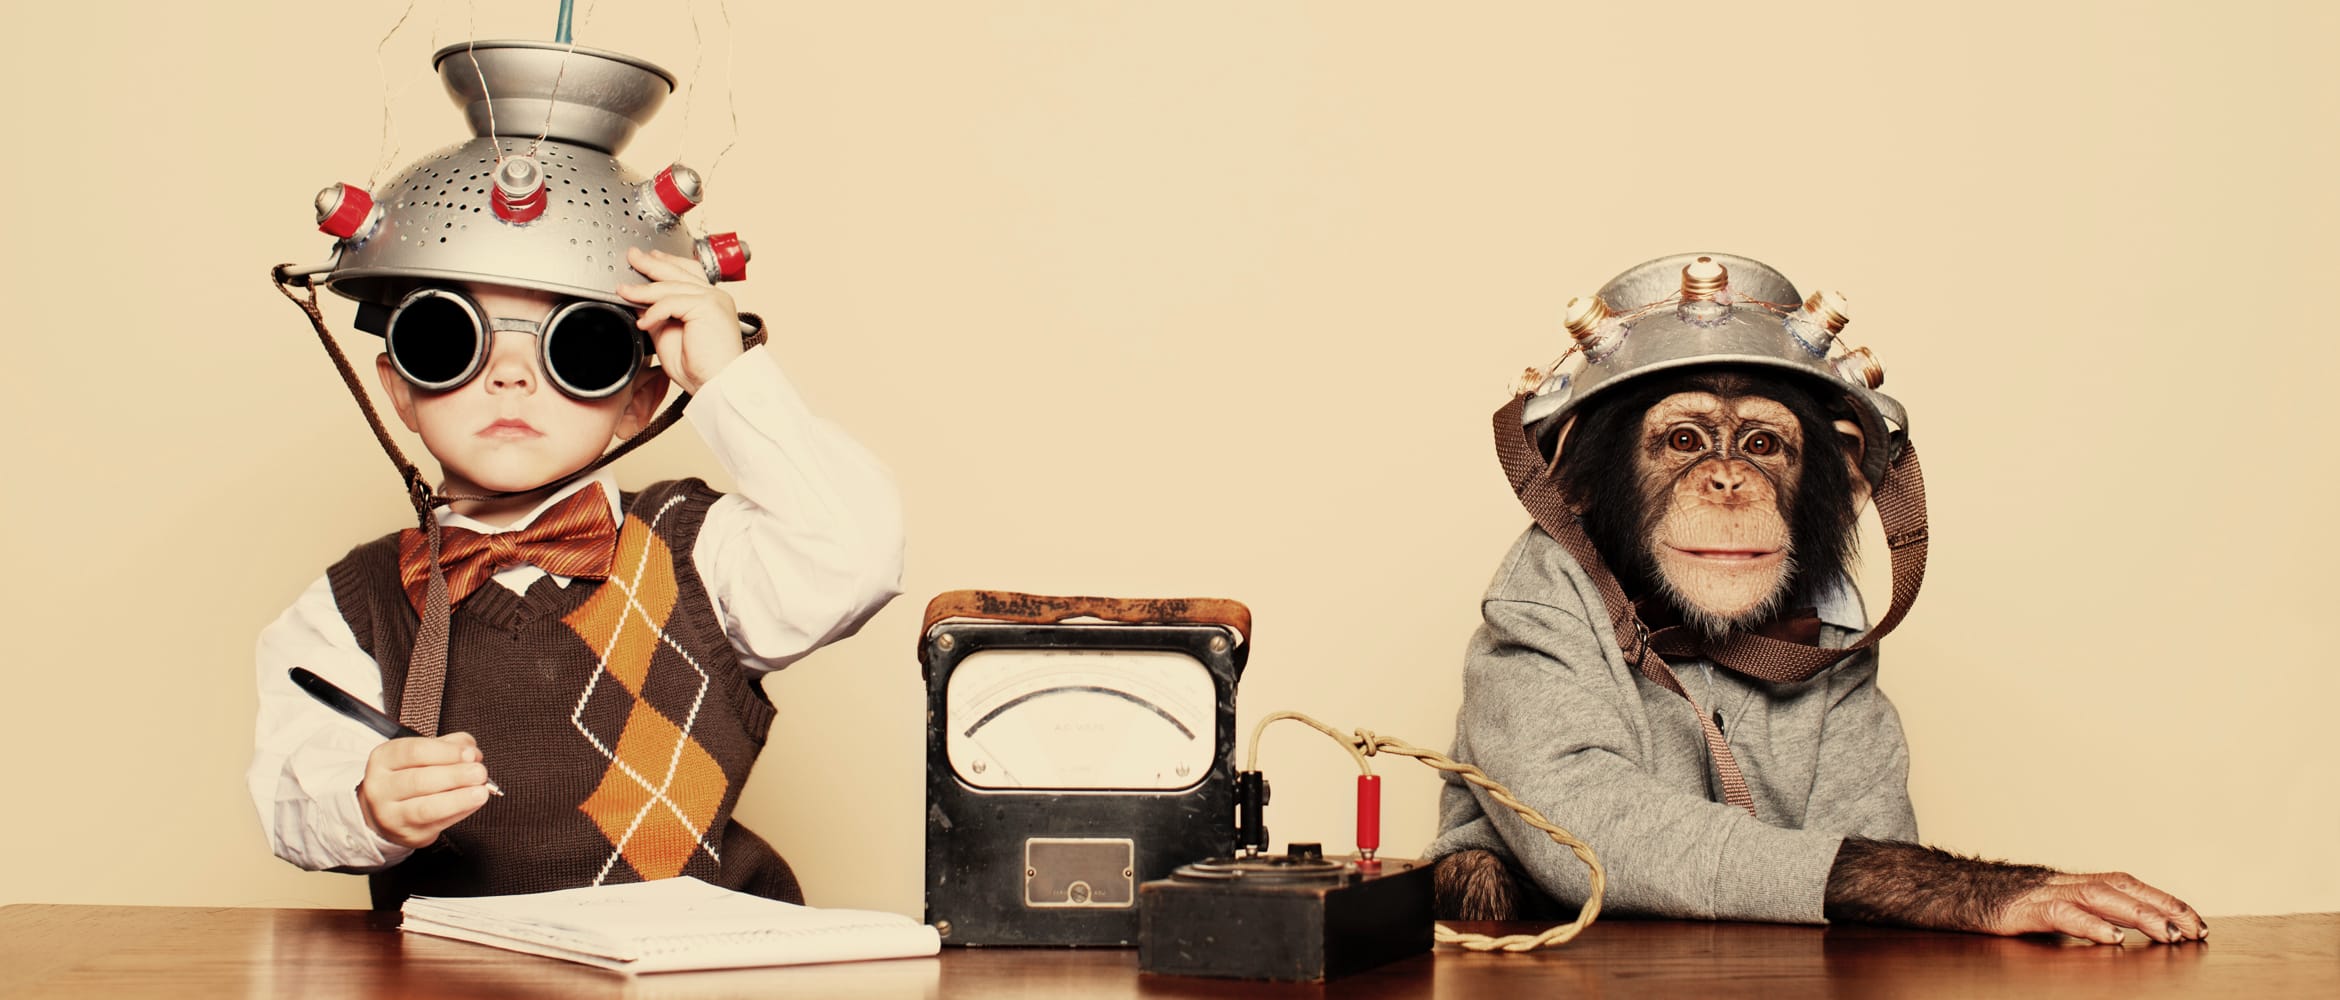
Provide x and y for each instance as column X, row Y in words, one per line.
column 724, row 255
column 519, row 194
column 1368, row 817
column 346, row 211
column 666, row 198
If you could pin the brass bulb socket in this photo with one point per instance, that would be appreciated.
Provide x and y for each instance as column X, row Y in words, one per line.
column 1860, row 366
column 1826, row 311
column 1583, row 315
column 1703, row 279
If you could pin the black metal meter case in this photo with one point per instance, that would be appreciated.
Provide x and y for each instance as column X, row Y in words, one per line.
column 1076, row 747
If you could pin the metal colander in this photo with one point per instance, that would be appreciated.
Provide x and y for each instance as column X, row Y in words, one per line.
column 1657, row 317
column 569, row 110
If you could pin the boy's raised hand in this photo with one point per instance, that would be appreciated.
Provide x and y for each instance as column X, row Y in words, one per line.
column 418, row 786
column 694, row 324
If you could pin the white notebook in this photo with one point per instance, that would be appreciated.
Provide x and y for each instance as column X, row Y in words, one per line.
column 670, row 925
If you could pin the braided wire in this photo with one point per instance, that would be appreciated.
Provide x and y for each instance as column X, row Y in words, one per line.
column 1366, row 743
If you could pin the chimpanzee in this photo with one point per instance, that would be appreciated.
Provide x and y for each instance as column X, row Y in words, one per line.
column 1673, row 663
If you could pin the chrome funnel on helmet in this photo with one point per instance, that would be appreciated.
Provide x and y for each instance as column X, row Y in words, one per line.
column 1700, row 310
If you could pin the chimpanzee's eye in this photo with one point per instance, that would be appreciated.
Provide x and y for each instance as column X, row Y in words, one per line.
column 1760, row 443
column 1686, row 439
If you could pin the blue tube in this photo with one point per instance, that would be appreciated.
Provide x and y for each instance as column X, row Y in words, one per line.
column 561, row 31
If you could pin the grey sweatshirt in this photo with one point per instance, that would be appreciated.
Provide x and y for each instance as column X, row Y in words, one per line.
column 1552, row 711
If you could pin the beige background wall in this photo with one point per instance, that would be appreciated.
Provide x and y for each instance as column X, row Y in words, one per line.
column 1169, row 299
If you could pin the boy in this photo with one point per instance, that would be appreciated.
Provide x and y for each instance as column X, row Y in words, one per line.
column 603, row 650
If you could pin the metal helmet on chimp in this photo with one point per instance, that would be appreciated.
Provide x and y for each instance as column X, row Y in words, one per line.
column 1715, row 309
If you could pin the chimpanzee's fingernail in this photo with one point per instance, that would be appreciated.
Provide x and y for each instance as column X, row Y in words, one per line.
column 2173, row 932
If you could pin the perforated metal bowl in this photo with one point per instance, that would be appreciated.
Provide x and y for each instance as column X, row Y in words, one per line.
column 570, row 110
column 1744, row 335
column 437, row 225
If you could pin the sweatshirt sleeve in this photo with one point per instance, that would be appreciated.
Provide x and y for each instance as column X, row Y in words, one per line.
column 1551, row 715
column 810, row 546
column 307, row 759
column 1861, row 784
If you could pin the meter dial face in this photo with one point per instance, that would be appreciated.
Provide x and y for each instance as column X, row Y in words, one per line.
column 1080, row 719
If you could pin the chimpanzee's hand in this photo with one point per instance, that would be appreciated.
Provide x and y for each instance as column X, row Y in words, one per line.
column 2096, row 907
column 1888, row 882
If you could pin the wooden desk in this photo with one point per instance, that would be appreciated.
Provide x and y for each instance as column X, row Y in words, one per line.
column 139, row 951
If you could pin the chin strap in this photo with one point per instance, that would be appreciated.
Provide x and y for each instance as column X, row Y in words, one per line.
column 1901, row 505
column 426, row 669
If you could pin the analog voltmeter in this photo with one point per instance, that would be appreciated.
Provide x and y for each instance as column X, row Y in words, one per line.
column 1076, row 747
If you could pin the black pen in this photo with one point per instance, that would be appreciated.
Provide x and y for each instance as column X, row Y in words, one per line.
column 347, row 704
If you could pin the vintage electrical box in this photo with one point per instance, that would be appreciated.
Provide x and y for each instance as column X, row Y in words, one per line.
column 1297, row 916
column 1077, row 747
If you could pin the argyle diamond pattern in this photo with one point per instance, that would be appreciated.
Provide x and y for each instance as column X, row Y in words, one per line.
column 661, row 788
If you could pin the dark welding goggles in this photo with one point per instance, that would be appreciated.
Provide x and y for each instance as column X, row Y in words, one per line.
column 438, row 339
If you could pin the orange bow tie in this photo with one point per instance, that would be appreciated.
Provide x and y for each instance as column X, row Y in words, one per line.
column 576, row 538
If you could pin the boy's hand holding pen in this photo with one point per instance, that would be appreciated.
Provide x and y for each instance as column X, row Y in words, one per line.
column 415, row 786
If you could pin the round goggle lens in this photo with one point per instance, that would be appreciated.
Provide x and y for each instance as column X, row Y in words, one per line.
column 591, row 349
column 434, row 340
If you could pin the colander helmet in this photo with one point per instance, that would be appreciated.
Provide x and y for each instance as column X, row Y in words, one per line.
column 537, row 199
column 1698, row 310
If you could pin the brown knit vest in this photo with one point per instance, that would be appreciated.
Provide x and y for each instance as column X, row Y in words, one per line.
column 614, row 714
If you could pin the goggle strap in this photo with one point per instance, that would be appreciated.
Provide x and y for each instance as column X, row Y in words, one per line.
column 426, row 667
column 417, row 488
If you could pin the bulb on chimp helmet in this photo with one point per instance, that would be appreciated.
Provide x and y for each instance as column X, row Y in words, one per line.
column 1860, row 367
column 347, row 212
column 666, row 198
column 1816, row 325
column 1703, row 279
column 1706, row 287
column 519, row 193
column 723, row 255
column 1587, row 319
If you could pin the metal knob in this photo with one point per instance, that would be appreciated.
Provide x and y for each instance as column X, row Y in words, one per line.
column 723, row 255
column 519, row 195
column 666, row 198
column 346, row 211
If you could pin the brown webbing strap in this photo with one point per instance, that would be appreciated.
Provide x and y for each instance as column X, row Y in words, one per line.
column 1901, row 506
column 426, row 668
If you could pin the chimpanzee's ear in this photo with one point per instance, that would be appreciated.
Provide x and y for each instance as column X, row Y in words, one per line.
column 1848, row 434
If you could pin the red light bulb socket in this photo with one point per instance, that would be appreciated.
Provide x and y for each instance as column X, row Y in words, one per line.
column 677, row 189
column 345, row 211
column 519, row 194
column 723, row 255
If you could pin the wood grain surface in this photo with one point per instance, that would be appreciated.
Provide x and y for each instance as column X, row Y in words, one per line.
column 143, row 951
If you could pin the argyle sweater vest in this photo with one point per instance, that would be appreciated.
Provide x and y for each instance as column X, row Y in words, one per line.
column 614, row 714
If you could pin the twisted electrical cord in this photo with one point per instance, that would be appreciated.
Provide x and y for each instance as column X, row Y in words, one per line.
column 1365, row 743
